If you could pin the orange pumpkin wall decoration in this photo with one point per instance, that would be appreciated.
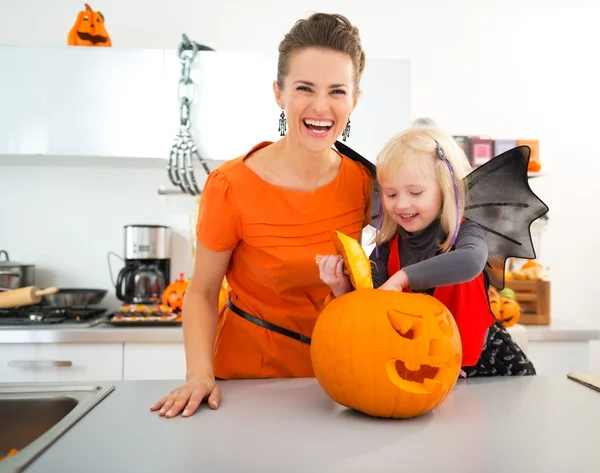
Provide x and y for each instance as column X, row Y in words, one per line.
column 89, row 29
column 174, row 294
column 506, row 310
column 385, row 353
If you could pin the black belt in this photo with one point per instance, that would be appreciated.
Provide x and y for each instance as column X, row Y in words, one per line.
column 267, row 325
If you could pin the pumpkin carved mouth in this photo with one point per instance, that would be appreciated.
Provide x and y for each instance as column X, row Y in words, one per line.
column 92, row 38
column 421, row 381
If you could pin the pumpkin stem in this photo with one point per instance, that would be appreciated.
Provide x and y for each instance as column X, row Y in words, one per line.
column 87, row 7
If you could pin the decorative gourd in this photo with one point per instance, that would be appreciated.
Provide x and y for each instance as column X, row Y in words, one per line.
column 506, row 310
column 384, row 353
column 174, row 294
column 89, row 30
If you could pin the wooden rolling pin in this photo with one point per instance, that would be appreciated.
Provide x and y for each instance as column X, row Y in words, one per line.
column 24, row 296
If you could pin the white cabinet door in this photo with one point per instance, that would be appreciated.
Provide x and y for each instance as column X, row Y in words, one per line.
column 233, row 105
column 52, row 362
column 68, row 101
column 154, row 361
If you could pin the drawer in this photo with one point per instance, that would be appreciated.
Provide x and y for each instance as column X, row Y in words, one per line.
column 52, row 362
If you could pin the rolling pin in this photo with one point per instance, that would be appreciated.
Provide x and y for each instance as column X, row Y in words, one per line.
column 24, row 296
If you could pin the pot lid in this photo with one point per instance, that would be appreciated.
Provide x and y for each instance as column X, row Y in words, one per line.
column 6, row 261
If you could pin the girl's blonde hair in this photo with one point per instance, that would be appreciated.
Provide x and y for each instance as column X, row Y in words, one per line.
column 413, row 148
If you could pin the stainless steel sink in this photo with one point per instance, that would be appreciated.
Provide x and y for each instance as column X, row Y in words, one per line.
column 35, row 415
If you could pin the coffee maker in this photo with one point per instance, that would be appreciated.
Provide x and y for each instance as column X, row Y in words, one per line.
column 147, row 270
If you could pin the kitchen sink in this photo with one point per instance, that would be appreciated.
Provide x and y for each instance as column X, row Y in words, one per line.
column 34, row 415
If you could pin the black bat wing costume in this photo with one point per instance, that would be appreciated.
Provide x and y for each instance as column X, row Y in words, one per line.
column 499, row 199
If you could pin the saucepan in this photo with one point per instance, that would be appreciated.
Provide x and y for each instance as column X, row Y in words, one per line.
column 14, row 275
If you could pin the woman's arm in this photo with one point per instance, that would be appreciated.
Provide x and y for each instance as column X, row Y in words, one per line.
column 200, row 308
column 462, row 264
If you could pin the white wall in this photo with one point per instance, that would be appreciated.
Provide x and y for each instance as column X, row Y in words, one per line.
column 507, row 69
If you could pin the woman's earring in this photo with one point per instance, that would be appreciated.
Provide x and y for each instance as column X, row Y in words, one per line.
column 346, row 132
column 282, row 124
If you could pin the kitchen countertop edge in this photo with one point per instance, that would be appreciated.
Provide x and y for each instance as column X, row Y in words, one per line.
column 558, row 331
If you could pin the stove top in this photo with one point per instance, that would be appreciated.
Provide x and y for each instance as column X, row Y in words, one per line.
column 47, row 315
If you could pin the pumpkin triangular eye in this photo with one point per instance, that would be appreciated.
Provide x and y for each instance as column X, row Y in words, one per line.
column 406, row 325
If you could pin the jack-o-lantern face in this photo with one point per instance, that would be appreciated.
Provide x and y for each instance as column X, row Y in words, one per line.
column 174, row 294
column 506, row 310
column 89, row 29
column 386, row 353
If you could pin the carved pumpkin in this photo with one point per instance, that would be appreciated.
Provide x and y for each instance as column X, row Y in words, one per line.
column 506, row 310
column 174, row 294
column 89, row 30
column 386, row 353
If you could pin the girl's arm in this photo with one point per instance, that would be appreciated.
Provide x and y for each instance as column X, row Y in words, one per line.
column 462, row 264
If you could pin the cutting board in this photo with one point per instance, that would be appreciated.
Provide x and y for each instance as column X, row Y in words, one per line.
column 589, row 380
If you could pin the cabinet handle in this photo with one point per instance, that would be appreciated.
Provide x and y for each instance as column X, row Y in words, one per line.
column 39, row 363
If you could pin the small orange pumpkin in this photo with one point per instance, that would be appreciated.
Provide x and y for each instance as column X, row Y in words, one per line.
column 506, row 310
column 384, row 353
column 89, row 29
column 174, row 294
column 223, row 294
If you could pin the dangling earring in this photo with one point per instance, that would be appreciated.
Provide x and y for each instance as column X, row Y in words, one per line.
column 346, row 132
column 282, row 124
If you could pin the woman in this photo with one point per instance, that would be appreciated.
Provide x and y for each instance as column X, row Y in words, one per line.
column 264, row 217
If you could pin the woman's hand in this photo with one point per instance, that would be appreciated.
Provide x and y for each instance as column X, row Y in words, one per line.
column 398, row 282
column 188, row 397
column 331, row 272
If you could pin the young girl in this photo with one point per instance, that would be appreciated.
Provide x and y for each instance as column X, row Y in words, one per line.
column 424, row 244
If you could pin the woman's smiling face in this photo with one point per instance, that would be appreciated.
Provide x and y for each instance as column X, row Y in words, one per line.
column 318, row 96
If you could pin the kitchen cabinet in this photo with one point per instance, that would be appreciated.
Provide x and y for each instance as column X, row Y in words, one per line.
column 123, row 103
column 96, row 102
column 54, row 362
column 148, row 361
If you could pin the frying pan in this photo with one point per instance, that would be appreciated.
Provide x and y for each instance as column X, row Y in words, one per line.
column 67, row 297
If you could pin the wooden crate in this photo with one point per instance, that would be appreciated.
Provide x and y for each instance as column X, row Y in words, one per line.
column 534, row 299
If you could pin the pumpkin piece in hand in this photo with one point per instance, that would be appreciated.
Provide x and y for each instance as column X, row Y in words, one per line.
column 356, row 260
column 386, row 353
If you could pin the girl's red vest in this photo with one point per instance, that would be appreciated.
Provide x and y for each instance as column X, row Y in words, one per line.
column 467, row 302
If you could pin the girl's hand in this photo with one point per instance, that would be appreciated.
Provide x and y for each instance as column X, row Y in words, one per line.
column 331, row 273
column 398, row 282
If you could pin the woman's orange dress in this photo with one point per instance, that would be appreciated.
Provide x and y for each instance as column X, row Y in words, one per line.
column 275, row 234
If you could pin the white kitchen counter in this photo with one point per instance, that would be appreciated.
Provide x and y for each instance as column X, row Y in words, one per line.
column 524, row 424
